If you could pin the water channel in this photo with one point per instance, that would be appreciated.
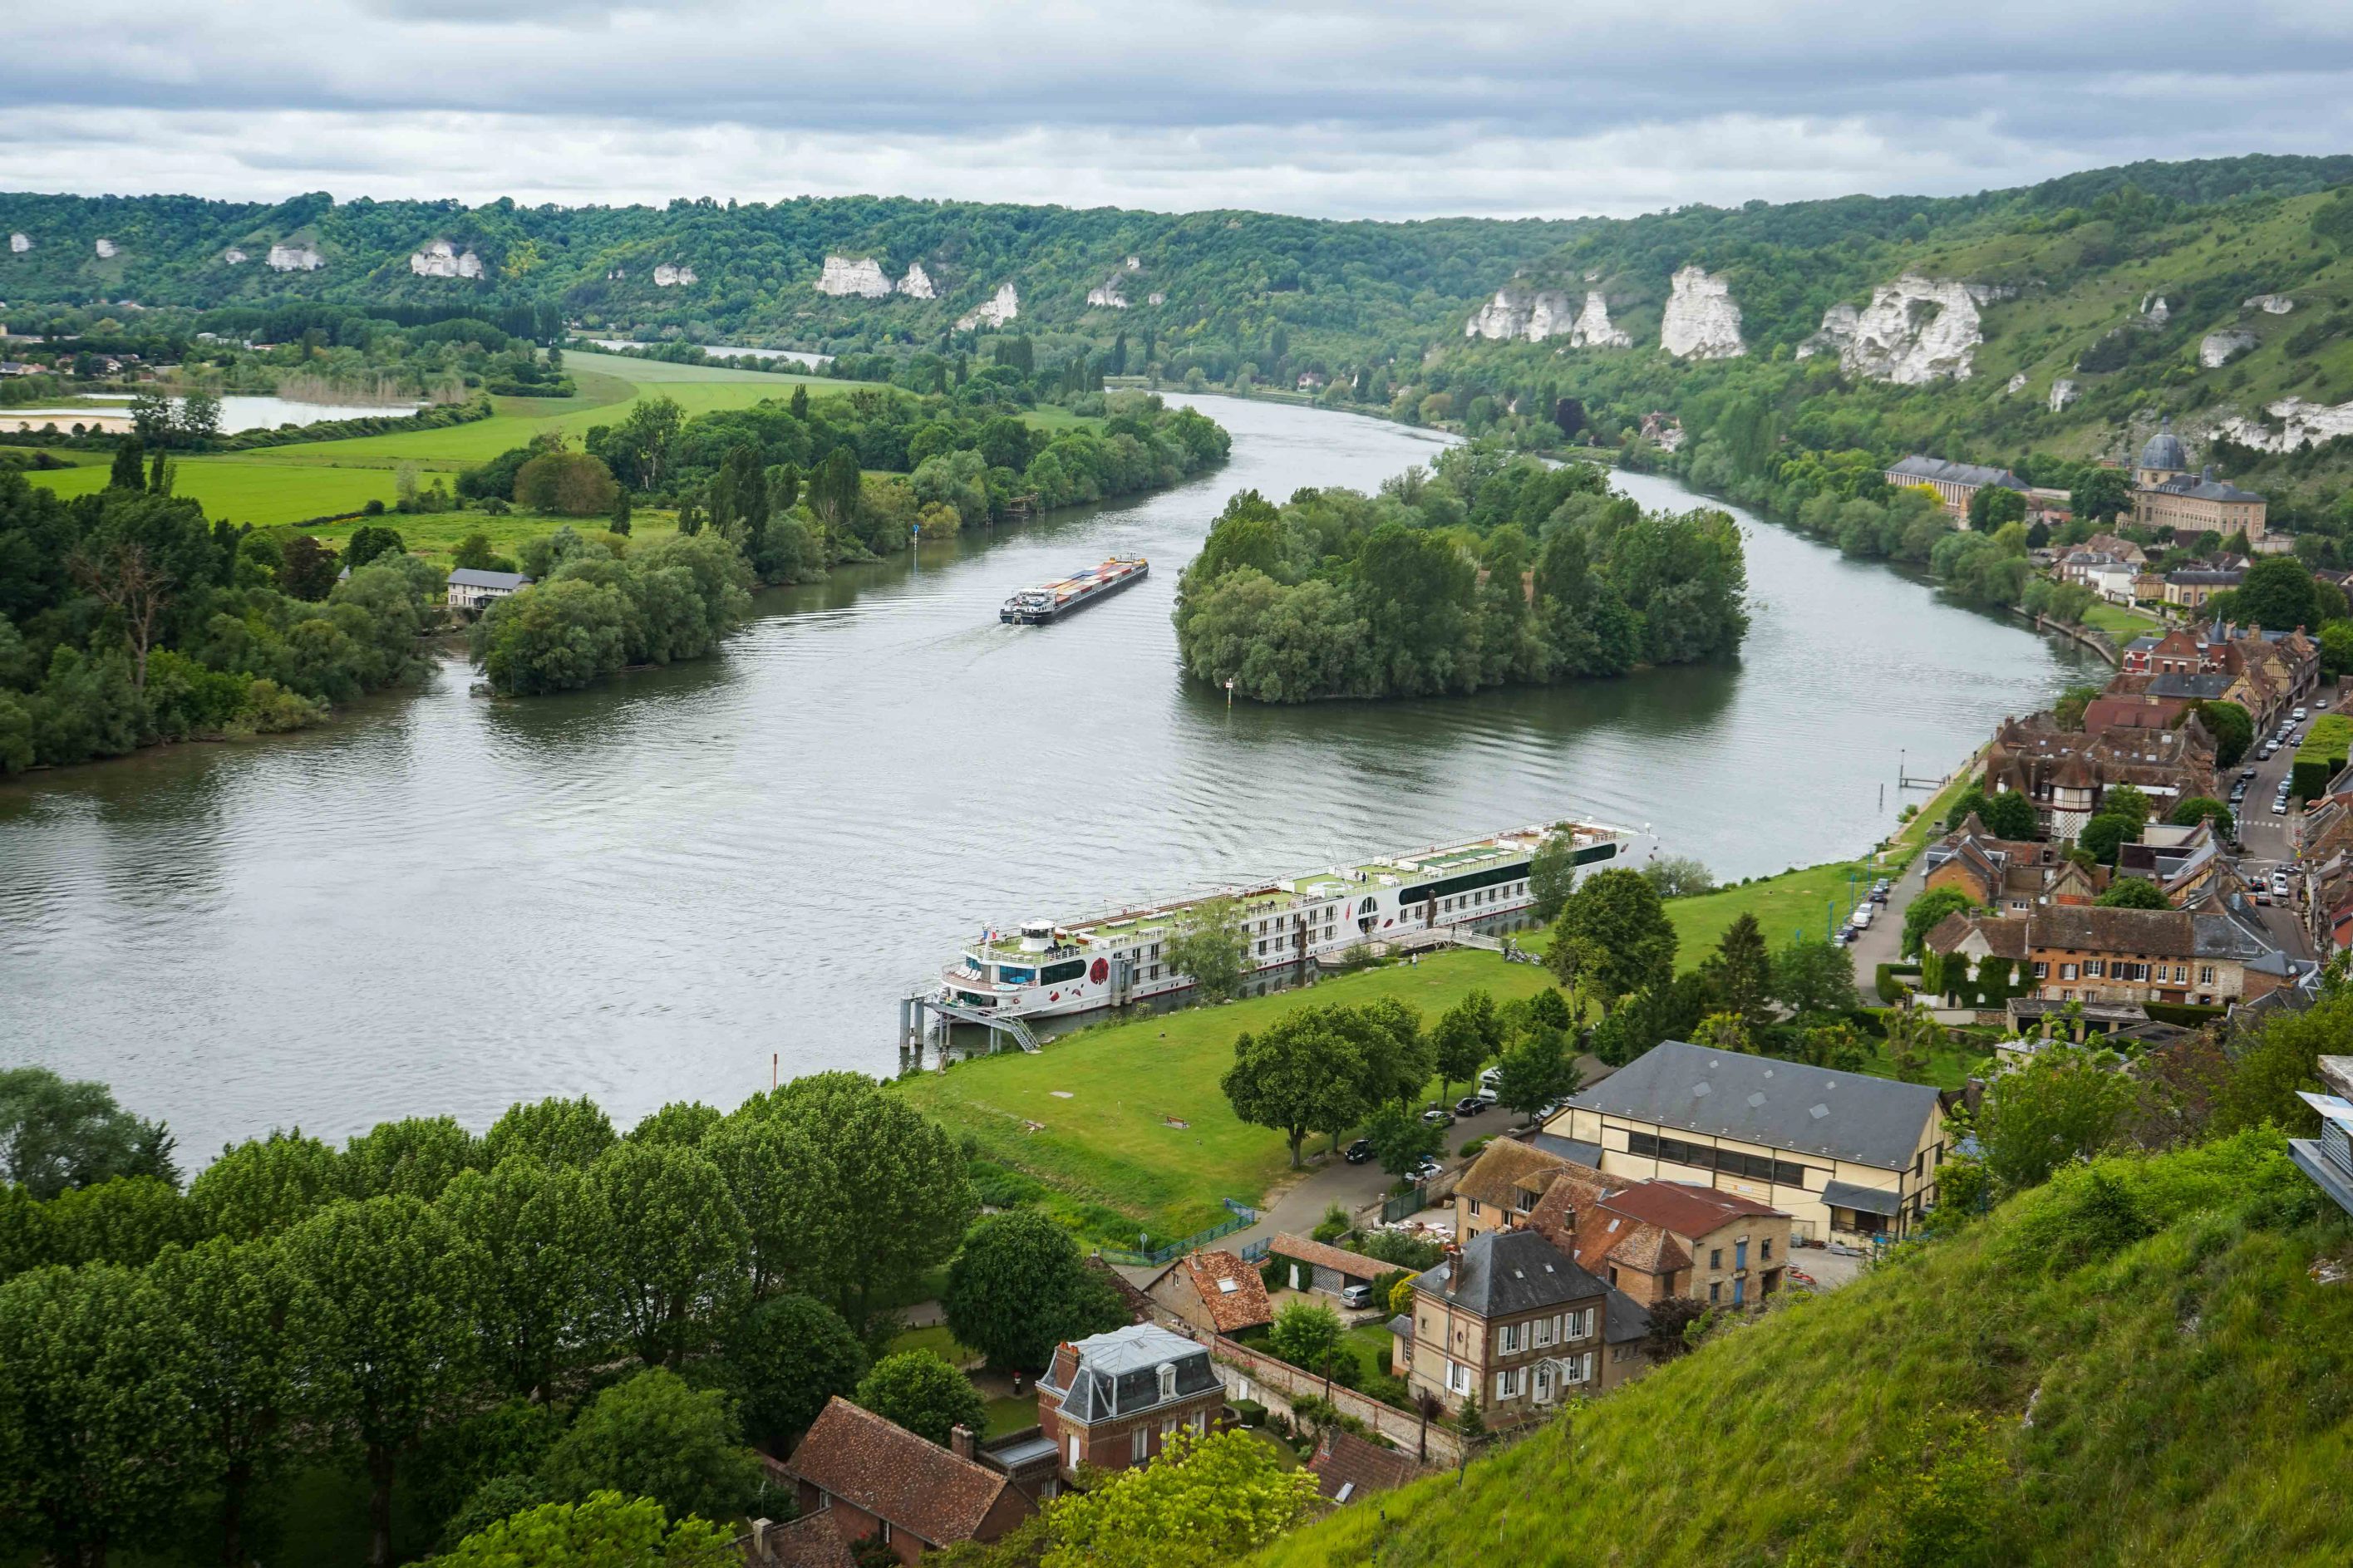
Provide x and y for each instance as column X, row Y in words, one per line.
column 644, row 891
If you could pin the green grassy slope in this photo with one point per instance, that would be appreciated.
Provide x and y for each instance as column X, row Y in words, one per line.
column 2191, row 1395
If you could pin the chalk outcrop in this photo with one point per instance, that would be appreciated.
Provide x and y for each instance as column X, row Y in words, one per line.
column 917, row 283
column 1915, row 330
column 1501, row 318
column 1155, row 298
column 2301, row 424
column 294, row 258
column 1591, row 329
column 673, row 275
column 1701, row 321
column 1105, row 295
column 235, row 256
column 20, row 243
column 2063, row 392
column 999, row 309
column 863, row 278
column 2014, row 386
column 1518, row 311
column 2155, row 310
column 1135, row 264
column 107, row 250
column 2272, row 304
column 2216, row 350
column 442, row 260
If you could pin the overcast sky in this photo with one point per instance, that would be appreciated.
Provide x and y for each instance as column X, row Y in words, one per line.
column 1374, row 110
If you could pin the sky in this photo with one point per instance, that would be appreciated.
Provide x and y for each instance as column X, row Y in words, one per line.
column 1383, row 109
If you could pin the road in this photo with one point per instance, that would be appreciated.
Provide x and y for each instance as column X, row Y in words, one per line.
column 2272, row 841
column 1883, row 944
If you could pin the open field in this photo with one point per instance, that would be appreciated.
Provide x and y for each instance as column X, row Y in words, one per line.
column 247, row 491
column 2120, row 623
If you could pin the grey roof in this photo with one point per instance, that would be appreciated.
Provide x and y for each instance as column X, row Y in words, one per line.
column 1764, row 1099
column 474, row 577
column 1402, row 1325
column 2164, row 449
column 2204, row 688
column 2191, row 576
column 1866, row 1200
column 1013, row 1456
column 1623, row 1318
column 2202, row 487
column 1572, row 1149
column 1503, row 1272
column 1917, row 466
column 2230, row 934
column 1118, row 1372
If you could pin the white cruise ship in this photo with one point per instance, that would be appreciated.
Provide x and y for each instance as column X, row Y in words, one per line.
column 1045, row 968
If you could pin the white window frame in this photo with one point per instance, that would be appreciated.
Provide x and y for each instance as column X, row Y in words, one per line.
column 1459, row 1379
column 1508, row 1339
column 1547, row 1329
column 1139, row 1445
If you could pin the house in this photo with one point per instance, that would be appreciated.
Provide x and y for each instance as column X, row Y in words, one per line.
column 1954, row 483
column 1214, row 1291
column 2116, row 547
column 1503, row 1184
column 2180, row 860
column 1314, row 1265
column 2007, row 874
column 1846, row 1156
column 1113, row 1400
column 808, row 1542
column 2166, row 494
column 2177, row 652
column 471, row 588
column 2328, row 1159
column 2192, row 586
column 1625, row 1336
column 879, row 1481
column 1509, row 1319
column 2066, row 772
column 1347, row 1466
column 2213, row 956
column 1309, row 381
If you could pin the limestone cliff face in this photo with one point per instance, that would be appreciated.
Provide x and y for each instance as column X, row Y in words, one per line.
column 1155, row 298
column 673, row 275
column 1519, row 311
column 1592, row 328
column 1505, row 316
column 234, row 257
column 2216, row 350
column 1701, row 321
column 294, row 258
column 2063, row 392
column 442, row 260
column 1915, row 330
column 2301, row 425
column 917, row 283
column 999, row 309
column 20, row 243
column 2155, row 310
column 106, row 249
column 1106, row 294
column 863, row 278
column 2016, row 384
column 2272, row 304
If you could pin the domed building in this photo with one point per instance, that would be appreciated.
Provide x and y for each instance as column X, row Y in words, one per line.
column 2167, row 494
column 2162, row 458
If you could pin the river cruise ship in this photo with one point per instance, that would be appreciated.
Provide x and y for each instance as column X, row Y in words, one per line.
column 1041, row 606
column 1042, row 968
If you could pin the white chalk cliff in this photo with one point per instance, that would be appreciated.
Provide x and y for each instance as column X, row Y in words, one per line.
column 442, row 260
column 917, row 283
column 106, row 249
column 232, row 256
column 2063, row 392
column 1592, row 328
column 2304, row 424
column 1503, row 317
column 294, row 258
column 1106, row 294
column 2015, row 383
column 863, row 278
column 20, row 243
column 2155, row 310
column 1915, row 330
column 2272, row 304
column 2216, row 350
column 673, row 275
column 1535, row 315
column 1701, row 321
column 999, row 309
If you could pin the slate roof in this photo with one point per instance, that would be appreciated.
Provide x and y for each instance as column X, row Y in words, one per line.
column 1347, row 1467
column 1576, row 1151
column 2164, row 449
column 1118, row 1372
column 1506, row 1272
column 1354, row 1265
column 1623, row 1318
column 2207, row 688
column 2202, row 487
column 1231, row 1290
column 922, row 1488
column 2158, row 933
column 1766, row 1100
column 475, row 577
column 1869, row 1200
column 1917, row 466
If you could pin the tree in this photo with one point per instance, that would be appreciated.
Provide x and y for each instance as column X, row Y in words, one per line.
column 1613, row 937
column 369, row 541
column 1971, row 802
column 532, row 1239
column 642, row 441
column 1722, row 1032
column 1203, row 1500
column 1538, row 1069
column 416, row 1157
column 308, row 572
column 1307, row 1335
column 2233, row 730
column 782, row 1361
column 2100, row 837
column 790, row 1197
column 1924, row 913
column 200, row 415
column 1297, row 1076
column 912, row 1197
column 1994, row 507
column 2065, row 1102
column 2281, row 1061
column 2124, row 800
column 568, row 484
column 129, row 469
column 2100, row 495
column 127, row 1220
column 56, row 1134
column 1665, row 1339
column 680, row 1124
column 654, row 1436
column 674, row 1251
column 237, row 1305
column 2010, row 815
column 382, row 1346
column 1398, row 1059
column 2279, row 593
column 1740, row 972
column 2133, row 893
column 1552, row 875
column 1020, row 1286
column 1678, row 876
column 553, row 1131
column 1207, row 944
column 124, row 576
column 606, row 1531
column 2204, row 808
column 2069, row 709
column 264, row 1186
column 1401, row 1138
column 1464, row 1036
column 1812, row 977
column 917, row 1390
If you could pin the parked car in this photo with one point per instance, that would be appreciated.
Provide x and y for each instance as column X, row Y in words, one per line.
column 1437, row 1116
column 1860, row 918
column 1360, row 1151
column 1491, row 1077
column 2279, row 884
column 1488, row 1092
column 1357, row 1296
column 2279, row 807
column 2300, row 714
column 2261, row 894
column 1429, row 1170
column 2247, row 772
column 1469, row 1105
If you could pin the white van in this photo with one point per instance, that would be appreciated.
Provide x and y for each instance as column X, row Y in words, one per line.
column 1488, row 1080
column 1860, row 918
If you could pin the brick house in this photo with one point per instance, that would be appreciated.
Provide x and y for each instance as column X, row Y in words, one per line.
column 1317, row 1265
column 1113, row 1400
column 2007, row 874
column 1503, row 1186
column 877, row 1480
column 1508, row 1318
column 1217, row 1291
column 2211, row 957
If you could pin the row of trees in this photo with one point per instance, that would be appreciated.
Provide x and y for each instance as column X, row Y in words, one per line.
column 1495, row 570
column 597, row 605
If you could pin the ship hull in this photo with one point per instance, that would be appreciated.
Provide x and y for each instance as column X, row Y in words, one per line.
column 1015, row 614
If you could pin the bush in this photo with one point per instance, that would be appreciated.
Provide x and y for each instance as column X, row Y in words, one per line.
column 1249, row 1412
column 1332, row 1226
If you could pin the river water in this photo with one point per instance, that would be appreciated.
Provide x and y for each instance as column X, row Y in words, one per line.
column 642, row 892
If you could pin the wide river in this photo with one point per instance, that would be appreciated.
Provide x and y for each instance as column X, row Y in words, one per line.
column 645, row 891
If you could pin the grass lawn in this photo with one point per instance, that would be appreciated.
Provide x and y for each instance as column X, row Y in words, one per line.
column 1012, row 1414
column 2120, row 623
column 1949, row 1065
column 1373, row 1345
column 1144, row 1129
column 939, row 1342
column 1804, row 899
column 247, row 491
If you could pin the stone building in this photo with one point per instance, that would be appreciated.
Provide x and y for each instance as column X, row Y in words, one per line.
column 1954, row 483
column 1114, row 1399
column 2166, row 493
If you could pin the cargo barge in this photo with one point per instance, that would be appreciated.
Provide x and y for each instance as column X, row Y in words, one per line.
column 1042, row 606
column 1043, row 967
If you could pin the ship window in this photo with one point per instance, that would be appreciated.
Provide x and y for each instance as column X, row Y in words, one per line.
column 1008, row 974
column 1054, row 973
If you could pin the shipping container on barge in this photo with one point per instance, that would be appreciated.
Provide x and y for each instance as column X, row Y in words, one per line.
column 1043, row 968
column 1040, row 606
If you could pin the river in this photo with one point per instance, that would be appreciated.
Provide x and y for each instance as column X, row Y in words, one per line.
column 642, row 892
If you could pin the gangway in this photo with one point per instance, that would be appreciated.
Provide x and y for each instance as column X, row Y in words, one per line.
column 912, row 1026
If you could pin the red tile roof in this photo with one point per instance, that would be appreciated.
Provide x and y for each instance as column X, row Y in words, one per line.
column 1354, row 1265
column 1344, row 1461
column 1682, row 1209
column 922, row 1488
column 1242, row 1307
column 810, row 1541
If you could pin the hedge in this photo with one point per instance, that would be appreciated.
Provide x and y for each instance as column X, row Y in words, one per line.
column 1890, row 991
column 2321, row 755
column 2187, row 1014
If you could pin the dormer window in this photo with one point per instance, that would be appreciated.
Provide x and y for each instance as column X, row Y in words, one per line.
column 1168, row 1381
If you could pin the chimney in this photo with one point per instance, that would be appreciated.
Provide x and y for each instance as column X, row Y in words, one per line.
column 1453, row 1269
column 760, row 1528
column 960, row 1441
